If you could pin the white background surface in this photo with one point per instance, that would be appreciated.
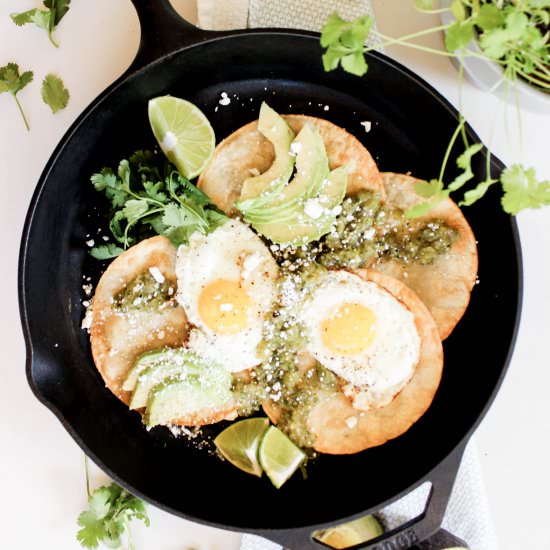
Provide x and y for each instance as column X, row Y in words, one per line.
column 42, row 476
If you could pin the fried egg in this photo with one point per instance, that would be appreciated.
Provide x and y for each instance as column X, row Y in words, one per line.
column 362, row 333
column 226, row 285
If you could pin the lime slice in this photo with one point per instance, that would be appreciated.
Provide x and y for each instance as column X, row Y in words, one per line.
column 351, row 533
column 183, row 133
column 279, row 457
column 239, row 444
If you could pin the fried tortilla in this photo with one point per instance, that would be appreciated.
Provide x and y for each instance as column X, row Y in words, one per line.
column 339, row 428
column 118, row 337
column 445, row 284
column 246, row 152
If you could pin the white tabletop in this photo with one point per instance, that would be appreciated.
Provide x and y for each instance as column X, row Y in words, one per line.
column 43, row 487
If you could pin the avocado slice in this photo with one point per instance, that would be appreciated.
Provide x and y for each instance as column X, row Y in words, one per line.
column 299, row 227
column 311, row 170
column 144, row 361
column 274, row 128
column 155, row 374
column 175, row 398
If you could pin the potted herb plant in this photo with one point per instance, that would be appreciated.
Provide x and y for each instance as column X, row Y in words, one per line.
column 507, row 49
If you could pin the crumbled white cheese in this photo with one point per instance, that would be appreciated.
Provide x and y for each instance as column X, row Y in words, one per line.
column 326, row 108
column 295, row 148
column 169, row 141
column 250, row 263
column 336, row 210
column 225, row 100
column 313, row 209
column 91, row 242
column 367, row 125
column 157, row 274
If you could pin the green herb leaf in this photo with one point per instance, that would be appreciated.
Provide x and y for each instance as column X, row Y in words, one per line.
column 458, row 10
column 110, row 509
column 13, row 82
column 23, row 18
column 54, row 93
column 464, row 161
column 354, row 63
column 477, row 192
column 523, row 190
column 58, row 8
column 106, row 251
column 459, row 35
column 489, row 17
column 428, row 189
column 344, row 42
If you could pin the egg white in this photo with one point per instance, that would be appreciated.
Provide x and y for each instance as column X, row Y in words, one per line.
column 231, row 252
column 372, row 377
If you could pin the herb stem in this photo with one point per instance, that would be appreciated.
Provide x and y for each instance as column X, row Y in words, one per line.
column 450, row 146
column 87, row 475
column 128, row 533
column 50, row 36
column 417, row 34
column 21, row 111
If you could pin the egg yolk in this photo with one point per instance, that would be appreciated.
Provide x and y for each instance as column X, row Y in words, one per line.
column 349, row 330
column 224, row 306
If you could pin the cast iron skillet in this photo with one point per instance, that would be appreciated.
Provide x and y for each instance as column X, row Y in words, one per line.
column 411, row 125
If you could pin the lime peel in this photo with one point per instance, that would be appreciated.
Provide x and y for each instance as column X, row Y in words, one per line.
column 279, row 457
column 183, row 133
column 239, row 444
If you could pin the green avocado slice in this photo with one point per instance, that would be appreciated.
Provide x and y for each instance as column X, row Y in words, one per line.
column 300, row 228
column 155, row 374
column 143, row 362
column 274, row 128
column 311, row 170
column 175, row 398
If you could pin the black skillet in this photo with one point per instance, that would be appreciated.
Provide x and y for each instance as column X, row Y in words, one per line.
column 411, row 125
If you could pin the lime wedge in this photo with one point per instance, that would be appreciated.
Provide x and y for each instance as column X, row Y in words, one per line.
column 183, row 133
column 279, row 457
column 239, row 444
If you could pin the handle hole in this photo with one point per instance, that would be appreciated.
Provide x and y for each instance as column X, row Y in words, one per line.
column 392, row 518
column 187, row 10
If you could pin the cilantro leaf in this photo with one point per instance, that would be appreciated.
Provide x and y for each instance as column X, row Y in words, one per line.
column 106, row 251
column 435, row 191
column 47, row 18
column 54, row 93
column 477, row 192
column 489, row 17
column 147, row 193
column 110, row 509
column 13, row 82
column 459, row 35
column 344, row 42
column 523, row 190
column 24, row 17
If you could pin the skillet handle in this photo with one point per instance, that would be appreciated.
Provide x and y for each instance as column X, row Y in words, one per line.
column 164, row 31
column 416, row 534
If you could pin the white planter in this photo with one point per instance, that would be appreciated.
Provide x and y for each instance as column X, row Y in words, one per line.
column 485, row 74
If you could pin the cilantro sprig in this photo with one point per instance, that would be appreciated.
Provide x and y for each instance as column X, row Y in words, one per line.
column 47, row 18
column 146, row 192
column 13, row 82
column 107, row 518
